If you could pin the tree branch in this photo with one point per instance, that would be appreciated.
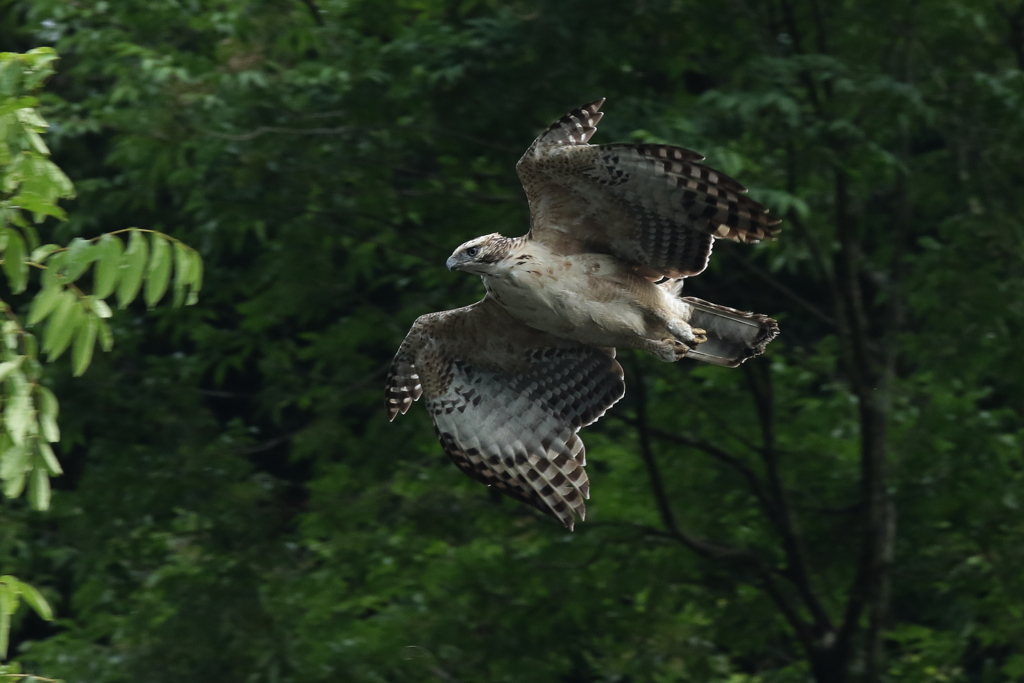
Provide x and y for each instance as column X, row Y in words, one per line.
column 1015, row 19
column 871, row 572
column 796, row 558
column 718, row 454
column 789, row 17
column 786, row 291
column 823, row 264
column 764, row 572
column 697, row 545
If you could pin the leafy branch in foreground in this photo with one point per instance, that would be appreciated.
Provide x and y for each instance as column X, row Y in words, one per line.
column 71, row 315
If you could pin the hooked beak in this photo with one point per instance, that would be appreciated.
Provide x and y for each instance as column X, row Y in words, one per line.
column 452, row 262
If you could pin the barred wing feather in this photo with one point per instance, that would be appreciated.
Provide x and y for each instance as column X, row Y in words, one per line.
column 655, row 206
column 507, row 401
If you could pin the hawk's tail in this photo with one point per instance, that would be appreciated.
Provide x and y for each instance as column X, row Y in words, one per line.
column 733, row 336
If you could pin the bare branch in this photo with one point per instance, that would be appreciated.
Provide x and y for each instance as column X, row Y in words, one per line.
column 697, row 545
column 1015, row 19
column 786, row 291
column 865, row 380
column 823, row 264
column 718, row 454
column 789, row 17
column 796, row 557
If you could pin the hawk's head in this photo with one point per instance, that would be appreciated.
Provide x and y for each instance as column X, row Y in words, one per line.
column 480, row 255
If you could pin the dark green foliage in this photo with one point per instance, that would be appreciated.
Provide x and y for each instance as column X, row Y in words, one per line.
column 235, row 505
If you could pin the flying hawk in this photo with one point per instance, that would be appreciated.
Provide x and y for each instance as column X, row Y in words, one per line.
column 511, row 379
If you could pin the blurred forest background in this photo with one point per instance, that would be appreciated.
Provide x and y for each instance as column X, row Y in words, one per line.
column 235, row 505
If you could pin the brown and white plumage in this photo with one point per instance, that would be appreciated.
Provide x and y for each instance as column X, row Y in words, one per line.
column 507, row 401
column 654, row 206
column 510, row 380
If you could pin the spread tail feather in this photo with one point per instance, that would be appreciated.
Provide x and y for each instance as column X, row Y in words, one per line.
column 733, row 336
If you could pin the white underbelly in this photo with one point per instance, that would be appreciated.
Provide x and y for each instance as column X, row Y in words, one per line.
column 571, row 300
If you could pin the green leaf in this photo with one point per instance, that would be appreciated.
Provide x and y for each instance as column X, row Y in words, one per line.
column 85, row 340
column 159, row 270
column 43, row 303
column 106, row 336
column 31, row 237
column 31, row 346
column 36, row 141
column 10, row 332
column 51, row 276
column 48, row 408
column 133, row 264
column 182, row 273
column 13, row 464
column 18, row 414
column 62, row 325
column 8, row 605
column 12, row 105
column 14, row 261
column 14, row 486
column 40, row 254
column 99, row 307
column 35, row 600
column 52, row 464
column 7, row 367
column 108, row 266
column 197, row 270
column 80, row 255
column 39, row 489
column 196, row 274
column 39, row 206
column 9, row 594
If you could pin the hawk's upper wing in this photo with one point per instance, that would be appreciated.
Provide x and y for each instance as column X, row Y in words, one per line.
column 653, row 206
column 507, row 401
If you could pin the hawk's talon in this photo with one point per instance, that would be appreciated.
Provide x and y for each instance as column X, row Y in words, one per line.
column 679, row 349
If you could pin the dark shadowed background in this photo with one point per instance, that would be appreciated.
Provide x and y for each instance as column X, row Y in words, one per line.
column 236, row 506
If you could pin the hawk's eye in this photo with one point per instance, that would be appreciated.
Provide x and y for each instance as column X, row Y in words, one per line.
column 472, row 251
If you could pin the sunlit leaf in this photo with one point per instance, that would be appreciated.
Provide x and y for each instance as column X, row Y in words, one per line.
column 52, row 464
column 108, row 265
column 41, row 253
column 99, row 307
column 11, row 332
column 34, row 599
column 159, row 273
column 133, row 265
column 14, row 261
column 19, row 414
column 85, row 341
column 80, row 255
column 30, row 344
column 182, row 273
column 39, row 489
column 62, row 325
column 48, row 408
column 106, row 336
column 51, row 276
column 196, row 277
column 7, row 367
column 14, row 462
column 8, row 606
column 43, row 303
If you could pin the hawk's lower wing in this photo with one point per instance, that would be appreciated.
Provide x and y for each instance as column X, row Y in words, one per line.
column 507, row 401
column 654, row 206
